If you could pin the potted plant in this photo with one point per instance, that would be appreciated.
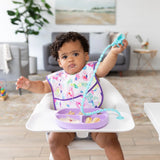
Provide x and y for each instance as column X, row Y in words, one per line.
column 29, row 19
column 28, row 16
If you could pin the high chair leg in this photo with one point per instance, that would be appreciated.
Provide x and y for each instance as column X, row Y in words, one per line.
column 82, row 134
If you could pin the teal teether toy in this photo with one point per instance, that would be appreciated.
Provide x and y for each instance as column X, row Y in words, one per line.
column 116, row 42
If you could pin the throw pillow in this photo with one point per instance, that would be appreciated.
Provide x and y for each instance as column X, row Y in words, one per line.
column 98, row 42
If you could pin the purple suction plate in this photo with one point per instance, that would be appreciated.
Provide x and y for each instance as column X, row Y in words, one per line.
column 77, row 121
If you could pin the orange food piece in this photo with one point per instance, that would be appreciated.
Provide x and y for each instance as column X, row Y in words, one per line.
column 96, row 119
column 71, row 113
column 80, row 113
column 88, row 120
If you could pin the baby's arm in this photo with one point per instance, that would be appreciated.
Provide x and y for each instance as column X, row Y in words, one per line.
column 110, row 60
column 33, row 86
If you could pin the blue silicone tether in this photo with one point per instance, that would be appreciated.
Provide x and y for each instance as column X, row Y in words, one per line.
column 116, row 42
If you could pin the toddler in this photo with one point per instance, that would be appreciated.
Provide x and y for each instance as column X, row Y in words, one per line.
column 68, row 85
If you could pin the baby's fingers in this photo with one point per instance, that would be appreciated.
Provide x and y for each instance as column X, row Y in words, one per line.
column 19, row 83
column 125, row 42
column 22, row 82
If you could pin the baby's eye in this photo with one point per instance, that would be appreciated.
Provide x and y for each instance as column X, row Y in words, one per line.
column 76, row 54
column 64, row 57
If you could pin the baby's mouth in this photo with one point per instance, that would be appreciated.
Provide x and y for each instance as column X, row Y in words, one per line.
column 72, row 66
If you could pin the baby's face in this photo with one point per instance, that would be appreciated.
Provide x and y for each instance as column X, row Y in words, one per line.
column 72, row 57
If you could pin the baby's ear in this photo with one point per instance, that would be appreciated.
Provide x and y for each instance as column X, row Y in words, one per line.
column 87, row 56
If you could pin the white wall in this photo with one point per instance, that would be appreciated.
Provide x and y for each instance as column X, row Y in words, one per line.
column 132, row 16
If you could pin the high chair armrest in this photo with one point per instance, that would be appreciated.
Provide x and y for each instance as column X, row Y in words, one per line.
column 45, row 103
column 112, row 97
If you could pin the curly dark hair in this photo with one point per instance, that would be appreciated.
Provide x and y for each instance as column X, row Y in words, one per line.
column 67, row 37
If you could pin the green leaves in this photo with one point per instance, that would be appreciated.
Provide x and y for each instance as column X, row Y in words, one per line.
column 31, row 31
column 28, row 16
column 19, row 31
column 15, row 21
column 28, row 22
column 45, row 20
column 50, row 12
column 47, row 6
column 11, row 13
column 15, row 2
column 26, row 1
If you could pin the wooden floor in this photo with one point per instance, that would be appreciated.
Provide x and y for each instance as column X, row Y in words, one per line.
column 17, row 143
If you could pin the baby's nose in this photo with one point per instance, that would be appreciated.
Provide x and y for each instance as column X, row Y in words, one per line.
column 70, row 58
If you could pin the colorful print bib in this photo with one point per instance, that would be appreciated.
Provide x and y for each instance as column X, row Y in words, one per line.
column 68, row 90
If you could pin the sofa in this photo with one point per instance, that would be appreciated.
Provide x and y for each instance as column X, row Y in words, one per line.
column 97, row 42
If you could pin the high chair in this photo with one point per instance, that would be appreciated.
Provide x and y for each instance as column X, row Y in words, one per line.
column 112, row 99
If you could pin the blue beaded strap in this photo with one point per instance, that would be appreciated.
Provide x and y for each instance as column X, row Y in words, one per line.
column 116, row 42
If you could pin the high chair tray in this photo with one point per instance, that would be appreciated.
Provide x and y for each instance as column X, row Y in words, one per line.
column 45, row 120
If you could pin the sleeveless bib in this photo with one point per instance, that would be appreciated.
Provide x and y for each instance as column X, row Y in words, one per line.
column 68, row 90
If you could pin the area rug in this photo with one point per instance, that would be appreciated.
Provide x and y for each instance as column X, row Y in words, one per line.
column 136, row 89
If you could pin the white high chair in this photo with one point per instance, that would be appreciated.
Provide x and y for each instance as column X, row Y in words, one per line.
column 112, row 99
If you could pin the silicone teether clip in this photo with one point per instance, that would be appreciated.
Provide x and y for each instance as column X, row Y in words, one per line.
column 104, row 110
column 117, row 41
column 114, row 110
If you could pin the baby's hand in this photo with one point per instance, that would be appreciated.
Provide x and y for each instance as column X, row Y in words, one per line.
column 23, row 83
column 117, row 50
